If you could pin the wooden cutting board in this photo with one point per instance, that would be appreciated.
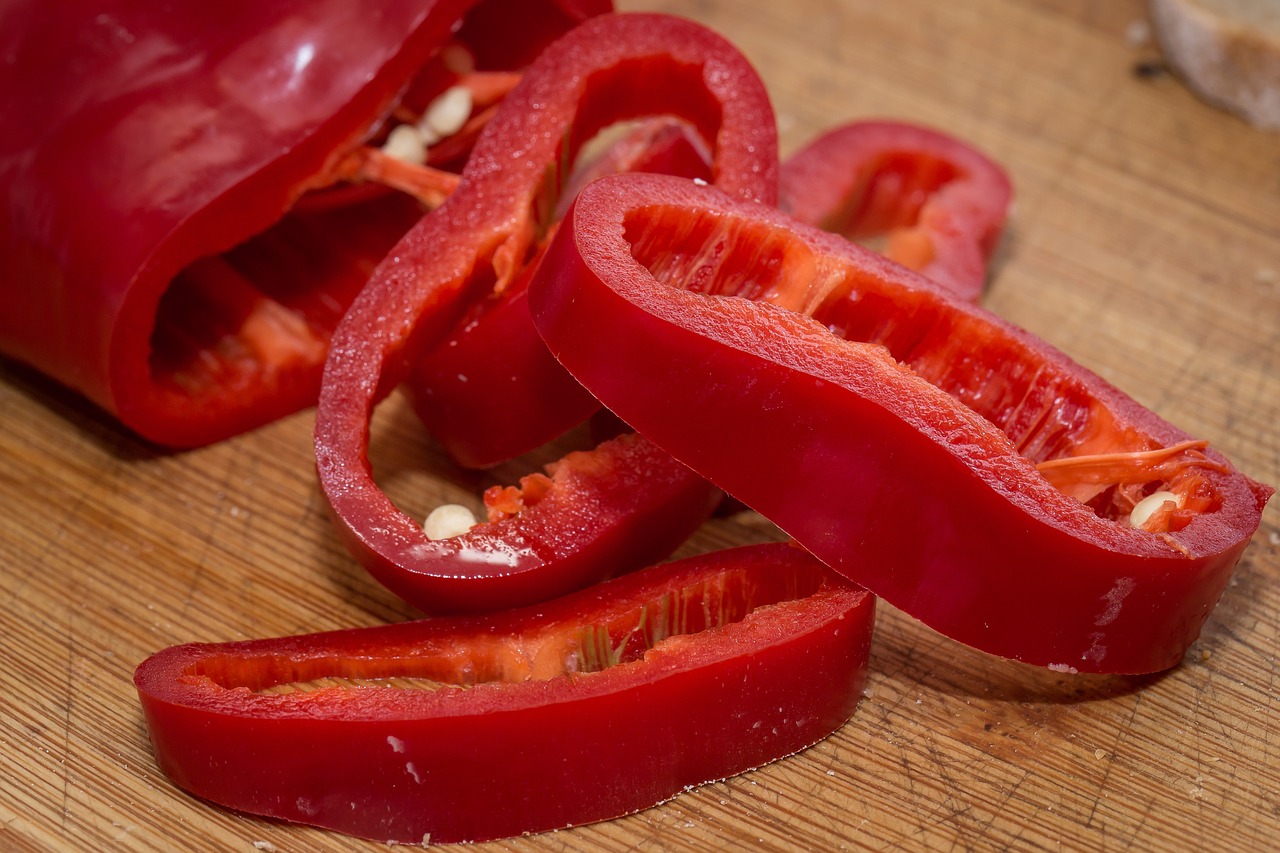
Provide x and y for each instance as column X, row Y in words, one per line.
column 1145, row 242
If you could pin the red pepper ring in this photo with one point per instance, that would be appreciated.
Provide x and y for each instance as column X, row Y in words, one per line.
column 609, row 69
column 938, row 203
column 490, row 391
column 906, row 456
column 620, row 505
column 173, row 133
column 474, row 728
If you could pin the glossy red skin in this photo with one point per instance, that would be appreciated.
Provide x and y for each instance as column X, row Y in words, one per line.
column 138, row 137
column 886, row 478
column 609, row 69
column 490, row 391
column 914, row 184
column 621, row 504
column 510, row 756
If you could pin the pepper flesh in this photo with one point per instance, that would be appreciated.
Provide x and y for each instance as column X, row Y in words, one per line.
column 937, row 204
column 150, row 137
column 622, row 504
column 903, row 426
column 610, row 69
column 490, row 391
column 474, row 728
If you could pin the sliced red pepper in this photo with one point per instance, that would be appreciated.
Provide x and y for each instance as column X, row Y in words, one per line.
column 960, row 468
column 610, row 69
column 490, row 391
column 623, row 504
column 925, row 199
column 140, row 139
column 474, row 728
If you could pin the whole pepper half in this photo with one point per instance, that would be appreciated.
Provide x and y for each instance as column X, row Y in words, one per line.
column 477, row 244
column 958, row 467
column 473, row 728
column 141, row 142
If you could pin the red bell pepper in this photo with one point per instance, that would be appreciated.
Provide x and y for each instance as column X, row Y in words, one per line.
column 610, row 69
column 937, row 205
column 960, row 468
column 141, row 140
column 620, row 505
column 490, row 391
column 931, row 202
column 474, row 728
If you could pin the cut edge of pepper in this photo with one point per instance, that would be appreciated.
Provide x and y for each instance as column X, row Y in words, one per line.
column 806, row 279
column 649, row 618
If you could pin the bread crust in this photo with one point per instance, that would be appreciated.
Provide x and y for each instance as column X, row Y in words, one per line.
column 1228, row 52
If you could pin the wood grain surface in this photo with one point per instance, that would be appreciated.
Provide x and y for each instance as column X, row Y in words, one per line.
column 1145, row 242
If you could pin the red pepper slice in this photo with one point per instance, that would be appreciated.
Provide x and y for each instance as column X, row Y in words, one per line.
column 474, row 728
column 937, row 204
column 141, row 138
column 621, row 505
column 610, row 69
column 899, row 438
column 490, row 391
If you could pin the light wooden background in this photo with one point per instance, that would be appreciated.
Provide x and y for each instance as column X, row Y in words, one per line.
column 1145, row 242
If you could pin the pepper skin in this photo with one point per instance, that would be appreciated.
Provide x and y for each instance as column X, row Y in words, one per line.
column 622, row 504
column 958, row 467
column 938, row 204
column 490, row 391
column 609, row 69
column 140, row 140
column 473, row 728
